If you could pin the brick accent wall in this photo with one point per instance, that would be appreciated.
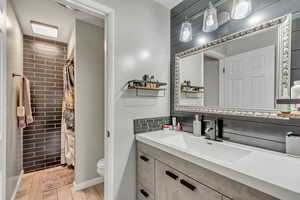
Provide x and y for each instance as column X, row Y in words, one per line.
column 43, row 66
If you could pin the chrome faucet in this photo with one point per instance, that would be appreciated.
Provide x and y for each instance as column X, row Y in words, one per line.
column 211, row 132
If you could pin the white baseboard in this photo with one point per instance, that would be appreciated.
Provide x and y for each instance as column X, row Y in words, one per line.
column 13, row 197
column 88, row 183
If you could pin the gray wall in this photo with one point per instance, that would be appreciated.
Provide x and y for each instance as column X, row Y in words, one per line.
column 266, row 133
column 89, row 100
column 296, row 50
column 142, row 28
column 14, row 134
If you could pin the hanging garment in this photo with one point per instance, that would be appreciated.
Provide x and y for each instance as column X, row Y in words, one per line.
column 24, row 112
column 68, row 116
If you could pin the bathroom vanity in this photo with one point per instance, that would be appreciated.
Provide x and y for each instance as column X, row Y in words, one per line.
column 241, row 75
column 177, row 165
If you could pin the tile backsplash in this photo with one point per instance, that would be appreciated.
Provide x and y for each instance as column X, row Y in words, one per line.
column 150, row 124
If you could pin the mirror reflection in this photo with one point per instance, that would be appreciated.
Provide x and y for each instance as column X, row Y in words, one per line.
column 236, row 74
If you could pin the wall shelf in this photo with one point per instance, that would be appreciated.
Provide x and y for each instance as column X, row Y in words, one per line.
column 193, row 87
column 140, row 83
column 288, row 101
column 147, row 88
column 152, row 92
column 192, row 92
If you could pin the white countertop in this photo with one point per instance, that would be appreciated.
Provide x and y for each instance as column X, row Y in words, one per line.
column 274, row 173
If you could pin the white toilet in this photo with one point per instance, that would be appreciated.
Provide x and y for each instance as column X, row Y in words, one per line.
column 100, row 167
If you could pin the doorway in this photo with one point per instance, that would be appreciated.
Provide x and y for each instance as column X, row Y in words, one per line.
column 95, row 9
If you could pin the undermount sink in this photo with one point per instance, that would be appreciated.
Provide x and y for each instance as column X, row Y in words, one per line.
column 205, row 147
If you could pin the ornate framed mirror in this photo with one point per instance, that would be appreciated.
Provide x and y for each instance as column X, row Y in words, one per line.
column 240, row 74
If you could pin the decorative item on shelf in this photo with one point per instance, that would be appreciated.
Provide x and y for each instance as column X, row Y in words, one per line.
column 210, row 20
column 186, row 87
column 186, row 31
column 189, row 91
column 148, row 83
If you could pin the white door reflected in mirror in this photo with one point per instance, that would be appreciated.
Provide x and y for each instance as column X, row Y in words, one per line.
column 240, row 74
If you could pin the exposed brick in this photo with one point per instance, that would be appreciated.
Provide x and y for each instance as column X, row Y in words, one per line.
column 43, row 66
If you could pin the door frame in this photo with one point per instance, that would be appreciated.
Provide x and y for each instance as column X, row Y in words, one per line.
column 3, row 99
column 94, row 8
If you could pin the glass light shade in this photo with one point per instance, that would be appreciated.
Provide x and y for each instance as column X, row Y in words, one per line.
column 241, row 9
column 186, row 32
column 210, row 21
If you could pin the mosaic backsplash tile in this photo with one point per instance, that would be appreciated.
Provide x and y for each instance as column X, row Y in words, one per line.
column 150, row 124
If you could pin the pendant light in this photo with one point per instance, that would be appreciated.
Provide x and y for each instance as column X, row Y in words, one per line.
column 210, row 20
column 241, row 9
column 186, row 31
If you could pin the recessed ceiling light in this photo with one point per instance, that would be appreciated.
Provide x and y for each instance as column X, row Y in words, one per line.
column 44, row 29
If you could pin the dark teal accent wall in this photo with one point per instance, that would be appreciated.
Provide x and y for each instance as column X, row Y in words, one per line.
column 265, row 133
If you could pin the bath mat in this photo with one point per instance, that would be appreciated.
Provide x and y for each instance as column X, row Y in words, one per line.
column 56, row 178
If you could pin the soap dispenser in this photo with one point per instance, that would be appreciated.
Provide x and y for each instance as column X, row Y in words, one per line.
column 197, row 126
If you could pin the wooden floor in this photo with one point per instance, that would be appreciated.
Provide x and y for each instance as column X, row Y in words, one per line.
column 31, row 189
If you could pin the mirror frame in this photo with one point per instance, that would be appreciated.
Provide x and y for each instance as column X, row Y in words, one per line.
column 283, row 69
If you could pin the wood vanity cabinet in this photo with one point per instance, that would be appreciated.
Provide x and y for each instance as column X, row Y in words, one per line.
column 145, row 176
column 173, row 185
column 158, row 181
column 145, row 171
column 162, row 176
column 143, row 193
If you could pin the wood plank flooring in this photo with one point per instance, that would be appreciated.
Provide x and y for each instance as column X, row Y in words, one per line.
column 31, row 189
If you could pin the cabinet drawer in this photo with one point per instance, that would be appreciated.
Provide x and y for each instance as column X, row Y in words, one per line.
column 173, row 185
column 145, row 171
column 143, row 193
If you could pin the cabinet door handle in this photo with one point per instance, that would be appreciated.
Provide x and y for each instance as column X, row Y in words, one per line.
column 144, row 158
column 172, row 175
column 144, row 193
column 187, row 184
